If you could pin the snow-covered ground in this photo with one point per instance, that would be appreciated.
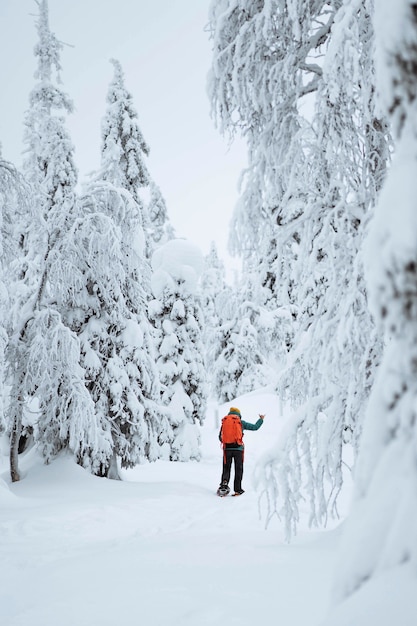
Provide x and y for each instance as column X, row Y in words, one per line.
column 159, row 547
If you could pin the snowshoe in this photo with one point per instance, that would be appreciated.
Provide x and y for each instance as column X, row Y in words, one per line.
column 223, row 490
column 239, row 493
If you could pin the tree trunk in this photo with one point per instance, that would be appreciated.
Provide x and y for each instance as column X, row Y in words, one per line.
column 110, row 469
column 113, row 472
column 14, row 444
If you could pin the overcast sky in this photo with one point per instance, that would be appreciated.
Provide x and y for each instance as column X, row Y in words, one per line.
column 166, row 55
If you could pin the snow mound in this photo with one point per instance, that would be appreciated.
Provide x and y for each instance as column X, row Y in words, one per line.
column 176, row 261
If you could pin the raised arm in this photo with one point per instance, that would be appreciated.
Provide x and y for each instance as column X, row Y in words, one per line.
column 249, row 426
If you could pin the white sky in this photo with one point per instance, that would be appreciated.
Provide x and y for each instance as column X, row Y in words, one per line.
column 166, row 55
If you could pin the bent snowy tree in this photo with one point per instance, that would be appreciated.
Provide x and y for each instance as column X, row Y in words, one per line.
column 312, row 184
column 50, row 169
column 385, row 505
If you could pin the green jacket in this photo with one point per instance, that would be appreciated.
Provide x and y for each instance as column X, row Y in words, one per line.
column 245, row 426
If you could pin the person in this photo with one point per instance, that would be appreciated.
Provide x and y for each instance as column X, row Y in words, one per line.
column 234, row 452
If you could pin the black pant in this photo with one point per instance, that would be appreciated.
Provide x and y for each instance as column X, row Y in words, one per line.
column 236, row 456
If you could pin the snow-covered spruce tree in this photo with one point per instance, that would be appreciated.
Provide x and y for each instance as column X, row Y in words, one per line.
column 124, row 148
column 263, row 64
column 263, row 67
column 177, row 318
column 316, row 203
column 118, row 188
column 212, row 282
column 16, row 207
column 124, row 152
column 43, row 355
column 380, row 536
column 336, row 346
column 239, row 365
column 160, row 229
column 225, row 366
column 3, row 299
column 12, row 193
column 102, row 283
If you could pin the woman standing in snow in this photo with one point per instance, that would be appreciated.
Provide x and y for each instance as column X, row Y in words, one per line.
column 231, row 436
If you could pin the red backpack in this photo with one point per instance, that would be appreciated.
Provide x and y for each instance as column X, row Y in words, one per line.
column 232, row 431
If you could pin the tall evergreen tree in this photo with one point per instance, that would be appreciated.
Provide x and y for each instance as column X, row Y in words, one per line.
column 177, row 318
column 336, row 344
column 311, row 187
column 124, row 148
column 3, row 299
column 114, row 327
column 38, row 337
column 239, row 365
column 263, row 64
column 212, row 283
column 160, row 228
column 385, row 503
column 49, row 165
column 124, row 153
column 13, row 194
column 16, row 205
column 226, row 373
column 103, row 289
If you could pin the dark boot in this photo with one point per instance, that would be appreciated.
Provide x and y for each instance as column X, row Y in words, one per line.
column 223, row 489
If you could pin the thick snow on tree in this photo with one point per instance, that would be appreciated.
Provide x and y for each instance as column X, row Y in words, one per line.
column 212, row 282
column 380, row 535
column 264, row 67
column 124, row 148
column 311, row 186
column 66, row 411
column 263, row 64
column 177, row 318
column 225, row 373
column 48, row 143
column 124, row 171
column 159, row 228
column 9, row 186
column 124, row 152
column 239, row 365
column 16, row 203
column 35, row 319
column 102, row 283
column 336, row 346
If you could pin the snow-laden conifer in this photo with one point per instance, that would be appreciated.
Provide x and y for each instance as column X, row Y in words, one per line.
column 263, row 64
column 124, row 153
column 49, row 163
column 380, row 533
column 12, row 194
column 264, row 67
column 311, row 185
column 212, row 282
column 124, row 146
column 103, row 284
column 66, row 412
column 125, row 331
column 160, row 229
column 16, row 204
column 36, row 322
column 336, row 347
column 177, row 318
column 3, row 305
column 239, row 365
